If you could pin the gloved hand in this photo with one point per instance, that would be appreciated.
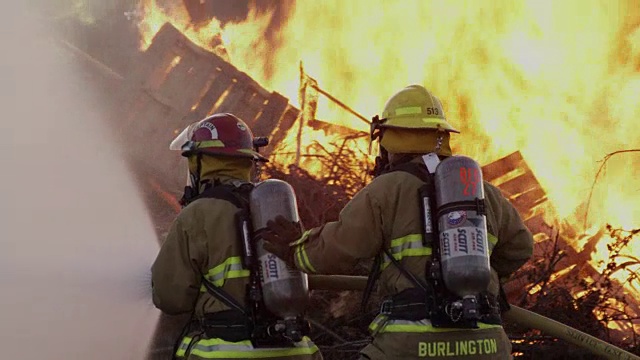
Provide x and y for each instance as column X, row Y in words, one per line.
column 278, row 234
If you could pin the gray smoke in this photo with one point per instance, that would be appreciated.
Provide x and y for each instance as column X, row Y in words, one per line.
column 76, row 242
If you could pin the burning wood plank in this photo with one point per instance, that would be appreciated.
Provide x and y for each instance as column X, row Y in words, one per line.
column 514, row 178
column 175, row 83
column 193, row 81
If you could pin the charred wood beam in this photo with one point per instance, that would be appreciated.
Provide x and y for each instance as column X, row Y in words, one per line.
column 341, row 104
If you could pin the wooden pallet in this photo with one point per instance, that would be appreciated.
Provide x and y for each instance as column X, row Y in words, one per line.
column 514, row 178
column 175, row 83
column 517, row 182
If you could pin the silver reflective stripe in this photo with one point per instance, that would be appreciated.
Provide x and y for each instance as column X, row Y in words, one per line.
column 241, row 347
column 382, row 324
column 221, row 276
column 184, row 345
column 410, row 245
column 231, row 268
column 220, row 349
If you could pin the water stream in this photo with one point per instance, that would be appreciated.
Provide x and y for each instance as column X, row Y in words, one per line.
column 76, row 242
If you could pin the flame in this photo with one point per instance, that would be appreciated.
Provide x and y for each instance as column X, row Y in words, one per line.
column 212, row 35
column 153, row 16
column 557, row 80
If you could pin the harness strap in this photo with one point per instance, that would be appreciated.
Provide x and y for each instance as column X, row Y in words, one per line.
column 229, row 325
column 223, row 296
column 231, row 193
column 424, row 287
column 476, row 205
column 234, row 195
column 422, row 173
column 374, row 274
column 418, row 170
column 409, row 304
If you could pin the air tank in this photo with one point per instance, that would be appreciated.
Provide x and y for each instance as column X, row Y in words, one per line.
column 462, row 226
column 285, row 290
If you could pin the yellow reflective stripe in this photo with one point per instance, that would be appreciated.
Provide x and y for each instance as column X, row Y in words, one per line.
column 415, row 252
column 209, row 143
column 231, row 268
column 409, row 110
column 229, row 262
column 382, row 324
column 184, row 345
column 406, row 239
column 218, row 348
column 300, row 254
column 422, row 122
column 420, row 328
column 410, row 245
column 493, row 240
column 425, row 251
column 377, row 323
column 302, row 259
column 303, row 238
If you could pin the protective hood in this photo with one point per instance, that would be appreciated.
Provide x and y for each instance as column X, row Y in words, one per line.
column 222, row 167
column 405, row 141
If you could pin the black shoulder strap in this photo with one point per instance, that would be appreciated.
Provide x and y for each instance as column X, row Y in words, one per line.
column 238, row 196
column 406, row 273
column 223, row 296
column 416, row 169
column 374, row 274
column 420, row 171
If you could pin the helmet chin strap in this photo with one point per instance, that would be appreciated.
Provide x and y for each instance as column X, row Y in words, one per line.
column 439, row 141
column 257, row 171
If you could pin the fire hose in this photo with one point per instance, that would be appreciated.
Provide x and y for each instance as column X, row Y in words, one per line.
column 516, row 314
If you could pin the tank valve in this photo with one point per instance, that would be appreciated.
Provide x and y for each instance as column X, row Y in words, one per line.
column 292, row 329
column 470, row 308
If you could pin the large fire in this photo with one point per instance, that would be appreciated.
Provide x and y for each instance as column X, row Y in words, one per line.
column 557, row 80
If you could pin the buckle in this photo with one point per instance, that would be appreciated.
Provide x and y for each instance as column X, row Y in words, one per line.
column 386, row 307
column 481, row 208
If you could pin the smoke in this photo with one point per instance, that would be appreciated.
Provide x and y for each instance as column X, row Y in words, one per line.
column 75, row 240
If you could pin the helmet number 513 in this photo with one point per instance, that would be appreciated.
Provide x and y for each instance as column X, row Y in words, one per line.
column 433, row 111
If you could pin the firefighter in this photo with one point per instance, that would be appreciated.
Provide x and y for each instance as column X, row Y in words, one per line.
column 385, row 218
column 199, row 268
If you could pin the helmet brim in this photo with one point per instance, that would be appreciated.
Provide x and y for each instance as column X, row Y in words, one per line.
column 417, row 122
column 244, row 153
column 179, row 141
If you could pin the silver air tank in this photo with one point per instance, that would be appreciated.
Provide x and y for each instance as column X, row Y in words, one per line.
column 462, row 226
column 285, row 290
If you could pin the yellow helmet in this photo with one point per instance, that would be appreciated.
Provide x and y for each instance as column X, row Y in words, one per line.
column 415, row 107
column 413, row 121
